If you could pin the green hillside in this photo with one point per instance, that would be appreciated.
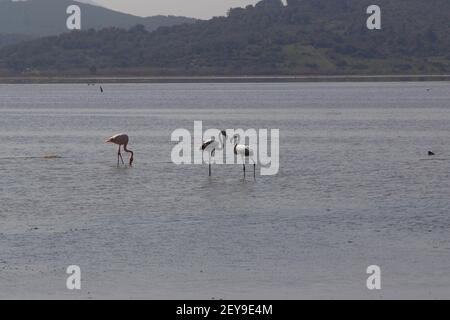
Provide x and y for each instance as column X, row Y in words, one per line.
column 307, row 37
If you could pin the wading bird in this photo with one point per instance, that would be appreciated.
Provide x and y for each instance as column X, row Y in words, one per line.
column 121, row 140
column 244, row 152
column 212, row 145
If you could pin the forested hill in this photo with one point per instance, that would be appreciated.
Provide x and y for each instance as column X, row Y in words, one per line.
column 9, row 39
column 306, row 37
column 48, row 17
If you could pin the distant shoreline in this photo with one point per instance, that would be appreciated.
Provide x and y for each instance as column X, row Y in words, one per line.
column 223, row 79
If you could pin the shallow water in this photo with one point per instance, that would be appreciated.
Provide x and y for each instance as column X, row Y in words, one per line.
column 355, row 188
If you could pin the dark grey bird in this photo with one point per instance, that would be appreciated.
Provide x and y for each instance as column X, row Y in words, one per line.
column 430, row 153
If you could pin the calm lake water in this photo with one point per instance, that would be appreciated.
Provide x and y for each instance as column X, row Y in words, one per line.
column 355, row 188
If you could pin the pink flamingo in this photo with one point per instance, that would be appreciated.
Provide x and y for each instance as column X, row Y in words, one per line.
column 121, row 140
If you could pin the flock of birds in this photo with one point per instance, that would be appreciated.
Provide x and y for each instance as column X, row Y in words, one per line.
column 240, row 150
column 209, row 146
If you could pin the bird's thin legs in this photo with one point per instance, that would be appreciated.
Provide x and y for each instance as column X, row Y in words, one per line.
column 119, row 157
column 209, row 165
column 244, row 170
column 254, row 168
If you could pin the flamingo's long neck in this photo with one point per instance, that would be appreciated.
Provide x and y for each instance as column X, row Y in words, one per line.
column 129, row 151
column 222, row 143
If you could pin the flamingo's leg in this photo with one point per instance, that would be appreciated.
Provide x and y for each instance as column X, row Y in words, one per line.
column 254, row 169
column 243, row 164
column 210, row 165
column 119, row 156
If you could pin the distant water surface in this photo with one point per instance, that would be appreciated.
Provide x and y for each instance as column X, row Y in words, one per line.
column 355, row 188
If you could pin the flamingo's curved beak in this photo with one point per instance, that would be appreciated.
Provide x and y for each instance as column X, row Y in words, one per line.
column 131, row 161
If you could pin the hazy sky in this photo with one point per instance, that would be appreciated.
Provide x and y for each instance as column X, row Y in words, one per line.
column 192, row 8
